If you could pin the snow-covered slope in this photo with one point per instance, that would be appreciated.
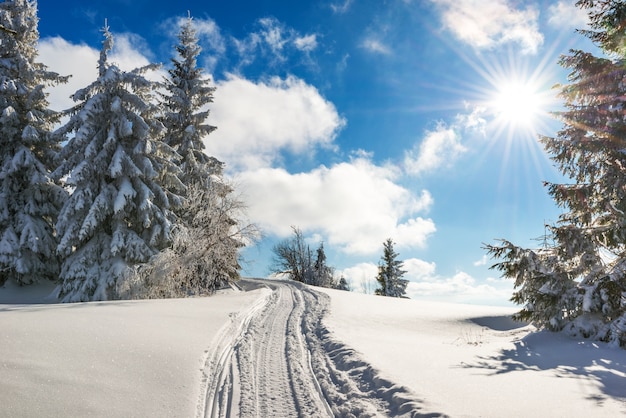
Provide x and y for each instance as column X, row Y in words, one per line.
column 108, row 359
column 150, row 358
column 474, row 361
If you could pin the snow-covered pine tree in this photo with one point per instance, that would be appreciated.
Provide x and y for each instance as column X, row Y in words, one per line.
column 390, row 273
column 29, row 200
column 185, row 110
column 118, row 212
column 342, row 284
column 322, row 273
column 578, row 283
column 208, row 214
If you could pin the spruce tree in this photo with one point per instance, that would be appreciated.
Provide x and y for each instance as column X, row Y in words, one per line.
column 29, row 199
column 322, row 273
column 390, row 273
column 577, row 283
column 207, row 215
column 118, row 212
column 342, row 284
column 185, row 113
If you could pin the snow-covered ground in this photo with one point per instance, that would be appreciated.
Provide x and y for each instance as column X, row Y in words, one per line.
column 161, row 358
column 474, row 361
column 108, row 359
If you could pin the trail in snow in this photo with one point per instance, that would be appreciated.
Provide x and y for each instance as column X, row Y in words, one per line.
column 277, row 359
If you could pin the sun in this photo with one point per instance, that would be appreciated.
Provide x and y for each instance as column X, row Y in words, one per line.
column 518, row 97
column 518, row 104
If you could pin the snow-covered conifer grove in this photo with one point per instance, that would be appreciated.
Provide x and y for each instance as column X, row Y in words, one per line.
column 206, row 235
column 130, row 195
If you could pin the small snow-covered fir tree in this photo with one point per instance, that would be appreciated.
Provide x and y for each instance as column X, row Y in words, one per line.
column 578, row 282
column 390, row 273
column 342, row 284
column 322, row 273
column 29, row 200
column 118, row 212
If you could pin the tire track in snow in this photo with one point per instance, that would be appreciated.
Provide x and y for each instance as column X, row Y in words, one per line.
column 277, row 359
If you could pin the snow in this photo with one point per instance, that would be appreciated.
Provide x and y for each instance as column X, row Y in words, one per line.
column 466, row 360
column 107, row 359
column 148, row 358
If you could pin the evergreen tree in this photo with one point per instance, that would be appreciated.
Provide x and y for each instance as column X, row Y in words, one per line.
column 578, row 283
column 185, row 114
column 29, row 200
column 342, row 284
column 208, row 214
column 118, row 212
column 322, row 273
column 390, row 273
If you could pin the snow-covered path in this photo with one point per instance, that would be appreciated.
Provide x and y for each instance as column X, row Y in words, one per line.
column 277, row 359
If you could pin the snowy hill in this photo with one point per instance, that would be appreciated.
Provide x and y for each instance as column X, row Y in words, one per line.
column 151, row 358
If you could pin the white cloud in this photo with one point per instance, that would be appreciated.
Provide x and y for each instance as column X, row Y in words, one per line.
column 306, row 43
column 473, row 121
column 356, row 205
column 361, row 277
column 565, row 14
column 341, row 8
column 130, row 51
column 272, row 33
column 485, row 24
column 209, row 34
column 81, row 62
column 482, row 262
column 375, row 45
column 419, row 270
column 440, row 147
column 257, row 120
column 65, row 58
column 461, row 288
column 272, row 40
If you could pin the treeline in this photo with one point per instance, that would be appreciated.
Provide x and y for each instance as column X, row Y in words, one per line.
column 120, row 201
column 294, row 259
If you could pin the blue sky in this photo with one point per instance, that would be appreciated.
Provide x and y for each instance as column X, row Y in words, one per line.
column 362, row 120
